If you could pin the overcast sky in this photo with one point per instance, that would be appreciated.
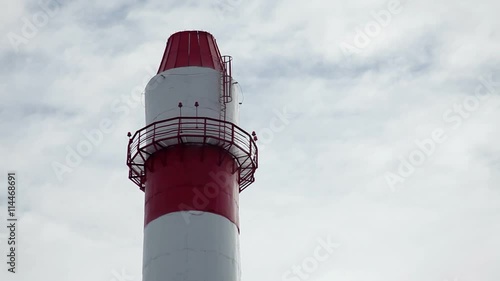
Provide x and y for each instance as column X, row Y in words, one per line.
column 377, row 123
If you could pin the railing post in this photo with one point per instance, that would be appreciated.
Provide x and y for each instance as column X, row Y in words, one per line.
column 205, row 130
column 251, row 146
column 128, row 151
column 232, row 133
column 154, row 132
column 138, row 141
column 179, row 130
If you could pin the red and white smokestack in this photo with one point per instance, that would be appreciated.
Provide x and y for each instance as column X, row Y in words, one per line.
column 192, row 160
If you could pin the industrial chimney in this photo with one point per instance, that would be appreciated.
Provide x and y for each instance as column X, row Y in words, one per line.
column 192, row 160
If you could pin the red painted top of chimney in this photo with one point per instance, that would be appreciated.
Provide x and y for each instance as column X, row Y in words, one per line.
column 191, row 48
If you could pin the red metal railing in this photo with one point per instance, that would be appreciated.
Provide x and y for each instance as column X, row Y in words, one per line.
column 192, row 130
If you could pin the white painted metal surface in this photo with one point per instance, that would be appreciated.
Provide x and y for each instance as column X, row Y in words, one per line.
column 187, row 85
column 233, row 108
column 182, row 247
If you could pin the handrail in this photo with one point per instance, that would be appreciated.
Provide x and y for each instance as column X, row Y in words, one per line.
column 202, row 130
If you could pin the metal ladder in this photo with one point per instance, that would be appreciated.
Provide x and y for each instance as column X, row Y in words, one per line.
column 226, row 94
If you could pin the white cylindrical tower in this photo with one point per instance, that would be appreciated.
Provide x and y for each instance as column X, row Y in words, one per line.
column 192, row 160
